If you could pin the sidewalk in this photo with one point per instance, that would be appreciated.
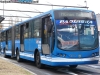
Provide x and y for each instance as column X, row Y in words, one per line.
column 8, row 68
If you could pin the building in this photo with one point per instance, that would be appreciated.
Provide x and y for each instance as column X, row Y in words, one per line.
column 98, row 21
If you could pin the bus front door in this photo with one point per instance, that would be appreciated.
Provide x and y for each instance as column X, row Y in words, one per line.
column 45, row 38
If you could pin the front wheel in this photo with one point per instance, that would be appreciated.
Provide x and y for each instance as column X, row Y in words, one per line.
column 38, row 61
column 72, row 66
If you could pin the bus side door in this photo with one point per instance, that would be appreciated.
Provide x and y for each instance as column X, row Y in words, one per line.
column 22, row 38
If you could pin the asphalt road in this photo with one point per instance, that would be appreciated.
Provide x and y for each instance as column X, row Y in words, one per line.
column 80, row 70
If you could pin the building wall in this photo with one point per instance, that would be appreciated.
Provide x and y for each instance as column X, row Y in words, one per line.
column 98, row 21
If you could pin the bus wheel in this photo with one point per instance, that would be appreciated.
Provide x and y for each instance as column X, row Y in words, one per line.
column 72, row 66
column 5, row 53
column 38, row 61
column 18, row 56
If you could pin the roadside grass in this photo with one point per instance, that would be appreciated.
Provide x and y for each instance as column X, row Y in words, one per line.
column 7, row 68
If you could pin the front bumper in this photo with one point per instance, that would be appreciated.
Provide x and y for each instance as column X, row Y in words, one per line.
column 58, row 61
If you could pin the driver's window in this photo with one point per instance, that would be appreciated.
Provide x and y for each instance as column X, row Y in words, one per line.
column 89, row 30
column 92, row 30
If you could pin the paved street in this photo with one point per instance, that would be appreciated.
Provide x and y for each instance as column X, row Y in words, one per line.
column 82, row 69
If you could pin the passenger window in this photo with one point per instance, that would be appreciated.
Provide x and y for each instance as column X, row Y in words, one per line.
column 37, row 28
column 17, row 32
column 26, row 28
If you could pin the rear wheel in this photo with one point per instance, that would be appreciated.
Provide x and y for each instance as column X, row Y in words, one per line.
column 5, row 53
column 38, row 61
column 72, row 66
column 18, row 56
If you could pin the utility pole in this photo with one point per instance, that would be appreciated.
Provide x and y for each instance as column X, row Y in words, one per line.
column 1, row 26
column 50, row 4
column 85, row 3
column 3, row 9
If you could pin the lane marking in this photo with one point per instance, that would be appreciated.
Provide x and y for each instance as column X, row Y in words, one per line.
column 94, row 66
column 84, row 73
column 67, row 71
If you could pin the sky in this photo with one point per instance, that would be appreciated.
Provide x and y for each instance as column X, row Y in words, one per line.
column 92, row 4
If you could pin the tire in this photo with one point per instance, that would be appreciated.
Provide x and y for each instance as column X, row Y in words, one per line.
column 72, row 66
column 5, row 56
column 18, row 56
column 38, row 60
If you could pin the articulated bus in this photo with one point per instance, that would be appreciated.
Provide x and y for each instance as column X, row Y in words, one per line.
column 58, row 37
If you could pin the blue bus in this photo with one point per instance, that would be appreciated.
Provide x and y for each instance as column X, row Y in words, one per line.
column 58, row 37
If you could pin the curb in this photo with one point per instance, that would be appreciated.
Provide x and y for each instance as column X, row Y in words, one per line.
column 18, row 66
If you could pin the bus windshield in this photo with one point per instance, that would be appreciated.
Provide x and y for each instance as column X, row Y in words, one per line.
column 75, row 35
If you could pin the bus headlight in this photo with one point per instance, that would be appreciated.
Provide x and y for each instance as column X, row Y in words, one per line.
column 97, row 53
column 64, row 55
column 93, row 54
column 61, row 55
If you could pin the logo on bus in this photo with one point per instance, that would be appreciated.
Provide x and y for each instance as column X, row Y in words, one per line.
column 62, row 22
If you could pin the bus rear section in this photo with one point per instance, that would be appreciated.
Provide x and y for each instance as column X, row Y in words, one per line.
column 7, row 42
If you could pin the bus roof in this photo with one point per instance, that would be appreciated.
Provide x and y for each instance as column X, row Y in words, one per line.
column 6, row 29
column 49, row 12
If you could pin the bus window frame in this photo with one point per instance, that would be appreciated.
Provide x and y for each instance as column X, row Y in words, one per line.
column 17, row 33
column 38, row 28
column 30, row 30
column 26, row 30
column 9, row 34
